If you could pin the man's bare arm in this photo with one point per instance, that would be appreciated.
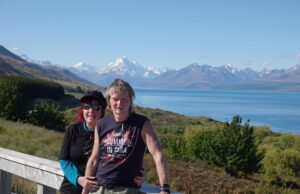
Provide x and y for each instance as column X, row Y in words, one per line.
column 93, row 161
column 92, row 165
column 151, row 140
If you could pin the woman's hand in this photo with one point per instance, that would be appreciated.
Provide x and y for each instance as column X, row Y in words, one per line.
column 139, row 180
column 89, row 184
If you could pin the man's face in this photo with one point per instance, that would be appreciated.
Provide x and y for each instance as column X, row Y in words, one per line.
column 120, row 104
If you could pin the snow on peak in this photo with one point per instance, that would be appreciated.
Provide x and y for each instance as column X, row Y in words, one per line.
column 40, row 62
column 231, row 68
column 295, row 68
column 123, row 66
column 82, row 66
column 25, row 57
column 121, row 63
column 124, row 60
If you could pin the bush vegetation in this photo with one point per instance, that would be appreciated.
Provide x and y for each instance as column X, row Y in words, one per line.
column 281, row 164
column 231, row 145
column 31, row 100
column 203, row 153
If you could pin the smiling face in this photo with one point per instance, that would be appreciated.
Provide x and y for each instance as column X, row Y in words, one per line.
column 90, row 115
column 120, row 104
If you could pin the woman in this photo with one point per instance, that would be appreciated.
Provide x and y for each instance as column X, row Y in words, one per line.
column 78, row 143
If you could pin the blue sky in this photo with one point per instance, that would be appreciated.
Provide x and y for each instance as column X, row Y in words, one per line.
column 160, row 33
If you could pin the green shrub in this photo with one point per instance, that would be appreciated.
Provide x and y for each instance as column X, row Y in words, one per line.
column 201, row 144
column 281, row 141
column 232, row 147
column 296, row 146
column 47, row 114
column 70, row 115
column 270, row 164
column 174, row 145
column 289, row 165
column 280, row 166
column 260, row 133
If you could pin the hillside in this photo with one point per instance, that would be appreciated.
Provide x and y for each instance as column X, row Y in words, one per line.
column 11, row 64
column 187, row 176
column 45, row 143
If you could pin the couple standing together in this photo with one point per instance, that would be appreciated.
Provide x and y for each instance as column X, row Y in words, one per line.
column 106, row 156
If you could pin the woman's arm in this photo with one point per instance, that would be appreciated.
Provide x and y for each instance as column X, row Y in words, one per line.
column 70, row 171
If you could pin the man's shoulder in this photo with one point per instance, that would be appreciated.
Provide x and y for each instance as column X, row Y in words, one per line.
column 106, row 122
column 107, row 118
column 140, row 116
column 138, row 119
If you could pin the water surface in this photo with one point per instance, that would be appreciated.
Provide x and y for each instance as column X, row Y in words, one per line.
column 280, row 111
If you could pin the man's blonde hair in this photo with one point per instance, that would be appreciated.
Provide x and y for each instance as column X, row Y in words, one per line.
column 120, row 86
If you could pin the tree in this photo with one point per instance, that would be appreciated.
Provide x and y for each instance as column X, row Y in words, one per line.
column 239, row 151
column 12, row 101
column 46, row 114
column 231, row 146
column 31, row 100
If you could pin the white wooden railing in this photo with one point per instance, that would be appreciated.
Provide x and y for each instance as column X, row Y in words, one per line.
column 46, row 173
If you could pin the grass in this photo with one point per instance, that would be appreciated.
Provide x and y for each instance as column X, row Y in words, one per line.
column 187, row 176
column 30, row 139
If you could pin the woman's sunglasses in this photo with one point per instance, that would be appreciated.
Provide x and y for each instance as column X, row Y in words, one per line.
column 95, row 107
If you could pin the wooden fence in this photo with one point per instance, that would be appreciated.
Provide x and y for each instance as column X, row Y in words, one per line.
column 46, row 173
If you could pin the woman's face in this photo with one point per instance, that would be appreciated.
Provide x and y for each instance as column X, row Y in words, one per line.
column 91, row 112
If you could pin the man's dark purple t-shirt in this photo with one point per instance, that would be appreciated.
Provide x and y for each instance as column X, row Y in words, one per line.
column 121, row 150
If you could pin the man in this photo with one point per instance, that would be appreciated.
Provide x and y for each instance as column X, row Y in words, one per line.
column 119, row 146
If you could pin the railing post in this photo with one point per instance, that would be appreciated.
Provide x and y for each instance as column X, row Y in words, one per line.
column 5, row 182
column 42, row 189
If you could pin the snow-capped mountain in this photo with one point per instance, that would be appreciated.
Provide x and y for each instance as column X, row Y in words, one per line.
column 125, row 67
column 36, row 61
column 82, row 66
column 227, row 77
column 84, row 70
column 122, row 67
column 193, row 76
column 196, row 74
column 283, row 75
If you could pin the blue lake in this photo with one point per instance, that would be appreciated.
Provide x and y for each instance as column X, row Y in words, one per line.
column 279, row 111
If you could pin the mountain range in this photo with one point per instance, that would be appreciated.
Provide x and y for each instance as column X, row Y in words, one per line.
column 12, row 64
column 193, row 76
